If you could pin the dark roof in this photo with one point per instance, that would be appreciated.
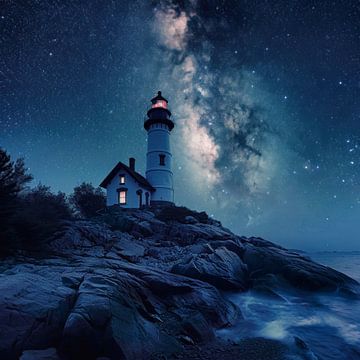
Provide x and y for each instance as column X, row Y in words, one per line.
column 135, row 175
column 158, row 97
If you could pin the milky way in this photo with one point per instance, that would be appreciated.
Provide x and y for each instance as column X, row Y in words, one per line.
column 265, row 97
column 224, row 131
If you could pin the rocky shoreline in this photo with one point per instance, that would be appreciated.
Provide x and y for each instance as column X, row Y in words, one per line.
column 145, row 284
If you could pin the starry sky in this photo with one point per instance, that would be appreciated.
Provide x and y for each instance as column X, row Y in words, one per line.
column 265, row 96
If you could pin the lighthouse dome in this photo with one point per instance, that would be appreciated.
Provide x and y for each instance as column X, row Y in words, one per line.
column 159, row 113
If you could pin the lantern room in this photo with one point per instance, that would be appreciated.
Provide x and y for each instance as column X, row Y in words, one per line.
column 159, row 113
column 159, row 101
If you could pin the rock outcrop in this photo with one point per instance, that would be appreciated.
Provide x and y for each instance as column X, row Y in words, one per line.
column 221, row 268
column 133, row 284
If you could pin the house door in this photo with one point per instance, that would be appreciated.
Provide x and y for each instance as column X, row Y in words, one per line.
column 139, row 193
column 147, row 198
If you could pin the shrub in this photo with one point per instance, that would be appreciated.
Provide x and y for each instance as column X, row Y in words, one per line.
column 88, row 200
column 41, row 214
column 13, row 180
column 179, row 213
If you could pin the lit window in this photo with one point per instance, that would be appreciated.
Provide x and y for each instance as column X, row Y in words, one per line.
column 122, row 197
column 160, row 104
column 162, row 159
column 122, row 179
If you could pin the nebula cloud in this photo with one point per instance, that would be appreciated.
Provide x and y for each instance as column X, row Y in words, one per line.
column 225, row 131
column 171, row 28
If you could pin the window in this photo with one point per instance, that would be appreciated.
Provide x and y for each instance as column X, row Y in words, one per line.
column 122, row 179
column 122, row 197
column 162, row 159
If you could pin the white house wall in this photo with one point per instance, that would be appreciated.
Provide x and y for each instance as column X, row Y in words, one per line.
column 132, row 199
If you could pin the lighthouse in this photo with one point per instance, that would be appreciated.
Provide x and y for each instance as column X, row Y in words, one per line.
column 159, row 157
column 126, row 187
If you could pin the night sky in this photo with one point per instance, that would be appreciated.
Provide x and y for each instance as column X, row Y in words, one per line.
column 265, row 96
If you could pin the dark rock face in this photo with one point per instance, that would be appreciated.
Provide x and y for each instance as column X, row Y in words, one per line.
column 33, row 309
column 222, row 268
column 132, row 284
column 113, row 308
column 295, row 269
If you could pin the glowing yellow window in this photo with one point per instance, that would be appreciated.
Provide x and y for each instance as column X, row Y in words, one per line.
column 122, row 179
column 122, row 197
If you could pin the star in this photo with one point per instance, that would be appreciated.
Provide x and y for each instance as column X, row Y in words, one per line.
column 76, row 91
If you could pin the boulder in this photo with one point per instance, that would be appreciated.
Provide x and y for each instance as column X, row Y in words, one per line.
column 80, row 236
column 296, row 270
column 198, row 329
column 126, row 247
column 188, row 234
column 142, row 228
column 236, row 247
column 33, row 312
column 222, row 268
column 260, row 242
column 190, row 220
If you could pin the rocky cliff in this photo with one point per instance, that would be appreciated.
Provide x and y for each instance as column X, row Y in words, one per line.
column 143, row 284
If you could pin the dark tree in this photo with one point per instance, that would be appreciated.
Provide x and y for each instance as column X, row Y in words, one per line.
column 87, row 200
column 27, row 217
column 42, row 214
column 13, row 180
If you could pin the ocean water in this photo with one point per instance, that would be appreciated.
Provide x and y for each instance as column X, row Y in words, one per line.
column 329, row 324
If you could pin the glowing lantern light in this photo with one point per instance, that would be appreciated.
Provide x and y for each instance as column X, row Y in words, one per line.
column 160, row 104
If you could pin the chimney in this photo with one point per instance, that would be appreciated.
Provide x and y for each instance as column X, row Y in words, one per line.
column 132, row 163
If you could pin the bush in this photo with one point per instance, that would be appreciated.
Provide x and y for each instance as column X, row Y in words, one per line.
column 41, row 214
column 29, row 218
column 179, row 213
column 88, row 200
column 13, row 180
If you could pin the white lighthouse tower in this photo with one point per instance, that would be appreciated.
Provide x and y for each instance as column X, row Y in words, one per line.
column 159, row 157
